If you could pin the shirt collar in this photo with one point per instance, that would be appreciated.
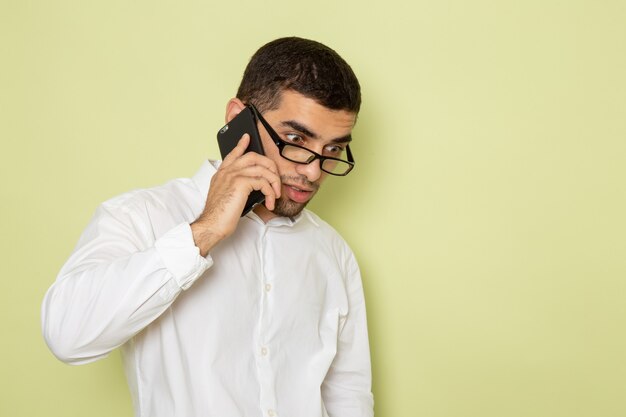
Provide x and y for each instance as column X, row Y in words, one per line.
column 277, row 221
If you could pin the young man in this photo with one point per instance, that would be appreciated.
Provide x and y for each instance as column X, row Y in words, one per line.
column 222, row 315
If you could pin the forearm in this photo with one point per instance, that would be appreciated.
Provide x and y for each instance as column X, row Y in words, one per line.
column 103, row 297
column 204, row 236
column 88, row 313
column 347, row 388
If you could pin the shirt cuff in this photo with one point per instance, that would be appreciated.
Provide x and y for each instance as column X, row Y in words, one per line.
column 181, row 256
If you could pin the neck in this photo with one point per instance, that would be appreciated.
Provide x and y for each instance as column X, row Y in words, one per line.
column 264, row 213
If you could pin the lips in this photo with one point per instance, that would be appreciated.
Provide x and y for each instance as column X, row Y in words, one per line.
column 297, row 194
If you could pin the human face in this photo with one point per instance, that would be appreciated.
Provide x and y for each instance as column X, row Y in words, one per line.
column 302, row 121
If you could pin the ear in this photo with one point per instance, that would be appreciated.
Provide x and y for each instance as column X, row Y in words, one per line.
column 233, row 108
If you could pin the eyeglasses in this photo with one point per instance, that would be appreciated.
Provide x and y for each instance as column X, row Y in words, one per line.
column 301, row 155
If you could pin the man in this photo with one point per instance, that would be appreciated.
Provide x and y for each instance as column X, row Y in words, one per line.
column 222, row 315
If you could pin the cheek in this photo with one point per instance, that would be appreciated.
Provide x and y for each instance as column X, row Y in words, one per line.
column 284, row 166
column 271, row 151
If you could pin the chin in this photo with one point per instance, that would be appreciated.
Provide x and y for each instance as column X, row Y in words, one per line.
column 288, row 208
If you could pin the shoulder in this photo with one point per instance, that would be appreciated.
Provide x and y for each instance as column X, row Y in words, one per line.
column 327, row 235
column 320, row 225
column 150, row 212
column 177, row 194
column 333, row 248
column 174, row 192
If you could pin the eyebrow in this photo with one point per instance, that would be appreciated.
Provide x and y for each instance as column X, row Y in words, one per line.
column 307, row 132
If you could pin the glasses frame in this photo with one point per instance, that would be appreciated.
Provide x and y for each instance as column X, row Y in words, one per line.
column 281, row 144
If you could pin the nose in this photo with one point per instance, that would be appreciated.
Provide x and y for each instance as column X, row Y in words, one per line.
column 311, row 171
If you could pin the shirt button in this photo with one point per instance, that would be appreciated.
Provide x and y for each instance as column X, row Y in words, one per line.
column 264, row 351
column 271, row 412
column 268, row 287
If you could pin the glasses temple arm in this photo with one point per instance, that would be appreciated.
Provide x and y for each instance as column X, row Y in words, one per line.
column 265, row 124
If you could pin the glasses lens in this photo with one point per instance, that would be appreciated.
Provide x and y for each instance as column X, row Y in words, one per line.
column 336, row 167
column 297, row 154
column 304, row 156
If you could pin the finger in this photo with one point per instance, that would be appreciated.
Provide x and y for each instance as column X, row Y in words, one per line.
column 270, row 204
column 238, row 150
column 261, row 184
column 259, row 171
column 253, row 158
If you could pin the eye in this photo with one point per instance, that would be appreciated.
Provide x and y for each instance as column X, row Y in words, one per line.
column 294, row 138
column 334, row 150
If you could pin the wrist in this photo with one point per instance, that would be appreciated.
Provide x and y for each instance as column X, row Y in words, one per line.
column 204, row 236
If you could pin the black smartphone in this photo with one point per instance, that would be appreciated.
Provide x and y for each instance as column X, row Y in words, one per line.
column 228, row 137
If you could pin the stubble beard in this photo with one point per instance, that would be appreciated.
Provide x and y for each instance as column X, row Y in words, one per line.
column 288, row 208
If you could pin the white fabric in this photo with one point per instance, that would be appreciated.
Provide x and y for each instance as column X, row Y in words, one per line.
column 271, row 323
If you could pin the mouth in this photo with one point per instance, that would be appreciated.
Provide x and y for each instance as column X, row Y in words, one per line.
column 297, row 194
column 306, row 190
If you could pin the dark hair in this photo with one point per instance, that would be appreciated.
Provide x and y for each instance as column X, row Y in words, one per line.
column 305, row 66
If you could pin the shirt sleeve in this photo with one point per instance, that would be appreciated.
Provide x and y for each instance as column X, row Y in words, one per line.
column 346, row 390
column 114, row 285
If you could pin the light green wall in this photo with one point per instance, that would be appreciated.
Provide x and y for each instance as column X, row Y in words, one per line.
column 486, row 209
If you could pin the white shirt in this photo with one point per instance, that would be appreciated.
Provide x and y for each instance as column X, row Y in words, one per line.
column 271, row 323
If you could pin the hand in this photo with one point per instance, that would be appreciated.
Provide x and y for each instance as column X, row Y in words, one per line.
column 239, row 174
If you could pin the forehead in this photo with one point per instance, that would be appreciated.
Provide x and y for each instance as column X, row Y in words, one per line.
column 324, row 122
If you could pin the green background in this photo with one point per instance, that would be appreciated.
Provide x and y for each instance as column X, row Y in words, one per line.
column 486, row 209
